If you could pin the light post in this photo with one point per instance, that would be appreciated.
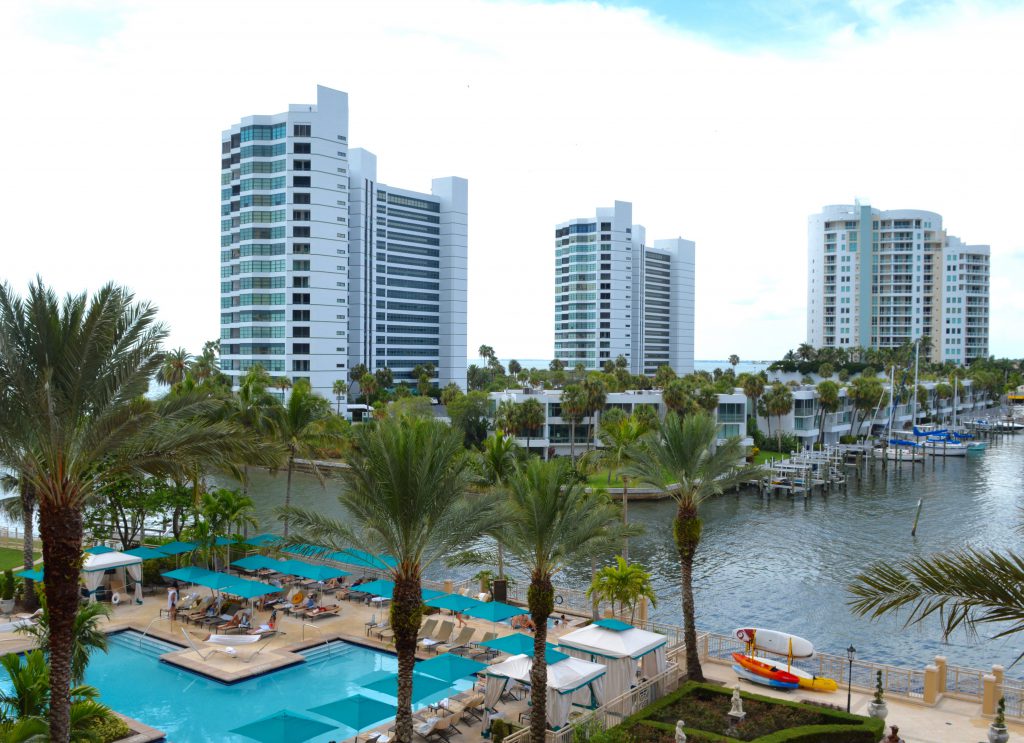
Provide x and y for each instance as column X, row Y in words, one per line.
column 851, row 653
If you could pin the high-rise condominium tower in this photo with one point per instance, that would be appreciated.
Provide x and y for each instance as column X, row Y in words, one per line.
column 878, row 279
column 616, row 296
column 324, row 268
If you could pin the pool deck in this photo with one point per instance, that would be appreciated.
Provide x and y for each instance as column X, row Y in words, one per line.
column 950, row 721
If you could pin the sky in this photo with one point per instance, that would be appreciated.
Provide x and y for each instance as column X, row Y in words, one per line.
column 727, row 123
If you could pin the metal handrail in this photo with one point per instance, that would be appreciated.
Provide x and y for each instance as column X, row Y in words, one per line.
column 330, row 648
column 148, row 626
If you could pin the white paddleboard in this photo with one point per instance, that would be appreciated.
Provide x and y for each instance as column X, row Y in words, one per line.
column 772, row 641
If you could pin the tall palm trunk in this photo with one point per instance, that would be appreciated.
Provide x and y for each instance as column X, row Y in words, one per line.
column 61, row 530
column 688, row 527
column 245, row 494
column 501, row 561
column 572, row 441
column 406, row 609
column 288, row 491
column 625, row 517
column 541, row 602
column 28, row 506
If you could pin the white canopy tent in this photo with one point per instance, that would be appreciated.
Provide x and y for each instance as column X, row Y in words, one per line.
column 96, row 566
column 568, row 680
column 619, row 651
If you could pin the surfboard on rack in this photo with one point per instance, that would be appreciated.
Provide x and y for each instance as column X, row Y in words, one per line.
column 773, row 641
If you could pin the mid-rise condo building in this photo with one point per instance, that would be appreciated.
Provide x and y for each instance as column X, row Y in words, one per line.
column 879, row 279
column 616, row 296
column 324, row 268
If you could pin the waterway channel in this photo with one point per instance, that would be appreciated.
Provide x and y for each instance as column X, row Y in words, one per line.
column 783, row 562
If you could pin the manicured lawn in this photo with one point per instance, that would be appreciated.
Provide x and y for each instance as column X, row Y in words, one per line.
column 763, row 456
column 703, row 707
column 600, row 480
column 11, row 558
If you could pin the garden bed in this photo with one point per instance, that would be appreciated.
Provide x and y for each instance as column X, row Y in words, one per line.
column 704, row 709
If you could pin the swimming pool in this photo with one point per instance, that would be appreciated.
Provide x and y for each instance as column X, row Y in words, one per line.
column 194, row 709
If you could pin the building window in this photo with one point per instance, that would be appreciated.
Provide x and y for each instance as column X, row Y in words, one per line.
column 301, row 181
column 300, row 365
column 300, row 265
column 303, row 130
column 300, row 332
column 301, row 215
column 300, row 315
column 300, row 248
column 302, row 165
column 300, row 299
column 303, row 148
column 300, row 282
column 300, row 198
column 300, row 231
column 302, row 348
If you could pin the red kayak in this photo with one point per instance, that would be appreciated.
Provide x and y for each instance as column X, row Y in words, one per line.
column 765, row 669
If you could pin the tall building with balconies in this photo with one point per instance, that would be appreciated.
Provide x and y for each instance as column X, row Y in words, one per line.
column 616, row 296
column 879, row 279
column 321, row 269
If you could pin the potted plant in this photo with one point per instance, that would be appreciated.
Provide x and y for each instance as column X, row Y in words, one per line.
column 485, row 577
column 7, row 593
column 997, row 732
column 877, row 708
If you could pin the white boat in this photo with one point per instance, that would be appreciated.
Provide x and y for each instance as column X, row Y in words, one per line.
column 944, row 448
column 773, row 641
column 900, row 453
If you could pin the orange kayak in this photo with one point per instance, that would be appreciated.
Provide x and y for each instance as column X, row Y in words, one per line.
column 763, row 668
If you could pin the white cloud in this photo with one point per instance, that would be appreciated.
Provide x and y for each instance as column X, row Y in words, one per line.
column 113, row 145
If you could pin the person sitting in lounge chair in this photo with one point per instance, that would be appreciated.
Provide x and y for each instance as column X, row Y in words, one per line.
column 321, row 611
column 310, row 602
column 234, row 623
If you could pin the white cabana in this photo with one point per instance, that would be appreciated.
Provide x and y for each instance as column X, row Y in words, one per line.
column 96, row 566
column 567, row 681
column 619, row 651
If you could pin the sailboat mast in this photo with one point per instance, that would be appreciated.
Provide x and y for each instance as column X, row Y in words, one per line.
column 917, row 353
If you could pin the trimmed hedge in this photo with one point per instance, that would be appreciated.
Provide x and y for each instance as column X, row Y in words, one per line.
column 844, row 728
column 111, row 729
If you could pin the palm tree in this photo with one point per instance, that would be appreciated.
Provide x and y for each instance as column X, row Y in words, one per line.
column 778, row 402
column 495, row 464
column 506, row 417
column 404, row 493
column 828, row 402
column 734, row 360
column 282, row 383
column 339, row 388
column 305, row 427
column 174, row 367
column 255, row 410
column 676, row 397
column 368, row 386
column 87, row 635
column 530, row 417
column 229, row 513
column 866, row 394
column 22, row 505
column 624, row 583
column 620, row 440
column 965, row 587
column 574, row 407
column 548, row 521
column 596, row 394
column 72, row 378
column 753, row 387
column 685, row 450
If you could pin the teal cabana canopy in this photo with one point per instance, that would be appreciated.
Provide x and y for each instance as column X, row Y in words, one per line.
column 284, row 727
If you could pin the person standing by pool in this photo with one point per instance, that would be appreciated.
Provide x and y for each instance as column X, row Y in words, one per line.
column 172, row 600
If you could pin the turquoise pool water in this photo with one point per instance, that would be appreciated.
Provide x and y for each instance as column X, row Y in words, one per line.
column 193, row 709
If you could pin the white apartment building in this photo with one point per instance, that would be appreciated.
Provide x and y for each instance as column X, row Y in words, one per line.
column 557, row 437
column 616, row 296
column 322, row 268
column 878, row 279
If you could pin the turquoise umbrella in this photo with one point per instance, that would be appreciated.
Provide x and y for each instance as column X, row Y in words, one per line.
column 423, row 686
column 36, row 575
column 615, row 625
column 495, row 611
column 147, row 553
column 384, row 588
column 187, row 575
column 314, row 572
column 222, row 541
column 361, row 558
column 262, row 540
column 256, row 562
column 514, row 644
column 177, row 548
column 452, row 602
column 449, row 667
column 99, row 549
column 284, row 727
column 248, row 589
column 216, row 581
column 357, row 712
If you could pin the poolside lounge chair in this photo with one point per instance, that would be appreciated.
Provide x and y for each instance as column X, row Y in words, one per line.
column 323, row 611
column 383, row 631
column 197, row 610
column 461, row 640
column 444, row 634
column 479, row 650
column 427, row 630
column 225, row 644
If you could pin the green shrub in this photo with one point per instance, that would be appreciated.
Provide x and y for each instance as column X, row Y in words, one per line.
column 111, row 729
column 500, row 729
column 7, row 590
